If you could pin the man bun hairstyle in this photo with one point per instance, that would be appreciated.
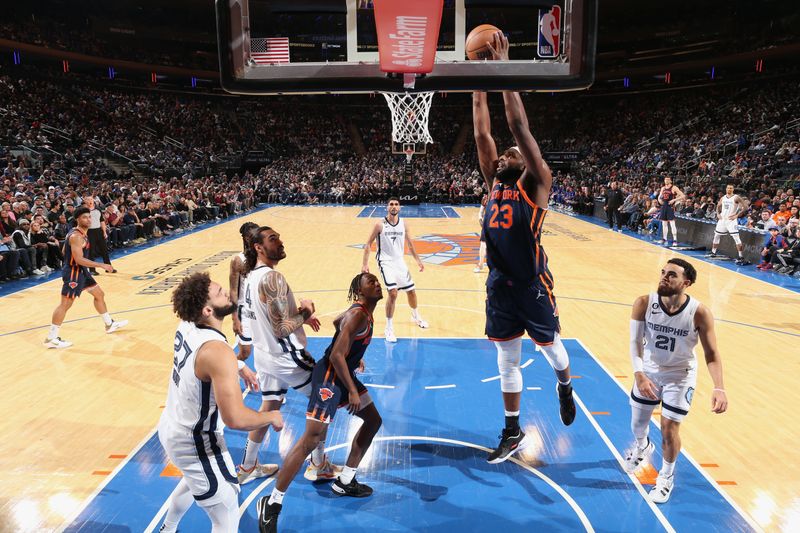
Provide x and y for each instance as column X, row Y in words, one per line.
column 250, row 253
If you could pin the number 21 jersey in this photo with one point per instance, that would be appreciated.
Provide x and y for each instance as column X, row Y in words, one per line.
column 669, row 339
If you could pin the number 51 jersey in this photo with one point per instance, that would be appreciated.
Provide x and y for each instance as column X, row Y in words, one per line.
column 512, row 228
column 670, row 338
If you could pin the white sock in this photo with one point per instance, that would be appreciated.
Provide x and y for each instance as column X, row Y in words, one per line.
column 640, row 425
column 389, row 323
column 276, row 497
column 415, row 313
column 565, row 383
column 667, row 469
column 512, row 413
column 347, row 475
column 53, row 331
column 107, row 319
column 318, row 454
column 251, row 452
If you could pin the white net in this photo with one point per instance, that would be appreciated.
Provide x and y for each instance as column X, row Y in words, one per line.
column 410, row 113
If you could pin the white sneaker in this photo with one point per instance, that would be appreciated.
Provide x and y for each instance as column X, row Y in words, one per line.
column 478, row 269
column 115, row 325
column 635, row 456
column 388, row 336
column 57, row 343
column 37, row 272
column 420, row 322
column 326, row 470
column 663, row 489
column 258, row 471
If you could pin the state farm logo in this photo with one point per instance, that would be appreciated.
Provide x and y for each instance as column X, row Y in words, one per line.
column 408, row 41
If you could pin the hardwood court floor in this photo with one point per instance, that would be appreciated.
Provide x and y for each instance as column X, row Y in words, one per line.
column 71, row 416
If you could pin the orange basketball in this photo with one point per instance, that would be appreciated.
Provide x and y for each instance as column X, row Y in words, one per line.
column 476, row 42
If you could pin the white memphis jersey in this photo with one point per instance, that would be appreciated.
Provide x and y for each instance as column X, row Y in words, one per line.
column 728, row 207
column 670, row 339
column 264, row 338
column 242, row 281
column 191, row 405
column 392, row 241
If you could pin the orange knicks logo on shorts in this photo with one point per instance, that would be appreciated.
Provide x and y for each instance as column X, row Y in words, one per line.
column 326, row 394
column 72, row 284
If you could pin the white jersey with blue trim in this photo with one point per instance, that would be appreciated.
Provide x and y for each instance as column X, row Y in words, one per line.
column 728, row 207
column 191, row 405
column 264, row 338
column 391, row 241
column 670, row 339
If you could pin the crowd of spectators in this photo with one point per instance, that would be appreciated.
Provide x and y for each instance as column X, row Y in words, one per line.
column 177, row 145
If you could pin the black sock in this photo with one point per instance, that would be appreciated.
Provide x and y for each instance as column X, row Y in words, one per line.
column 512, row 422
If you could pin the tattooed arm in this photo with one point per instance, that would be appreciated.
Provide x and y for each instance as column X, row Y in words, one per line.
column 274, row 293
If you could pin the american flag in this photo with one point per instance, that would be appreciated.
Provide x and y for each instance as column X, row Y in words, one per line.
column 270, row 50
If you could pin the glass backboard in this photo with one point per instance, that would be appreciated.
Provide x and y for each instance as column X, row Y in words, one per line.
column 331, row 46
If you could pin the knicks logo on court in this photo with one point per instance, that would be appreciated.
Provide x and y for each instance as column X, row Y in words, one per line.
column 446, row 250
column 326, row 394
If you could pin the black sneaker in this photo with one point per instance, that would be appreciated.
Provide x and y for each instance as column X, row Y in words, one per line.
column 353, row 489
column 566, row 402
column 711, row 255
column 267, row 515
column 742, row 262
column 511, row 441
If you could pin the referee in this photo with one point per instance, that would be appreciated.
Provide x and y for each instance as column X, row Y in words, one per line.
column 97, row 234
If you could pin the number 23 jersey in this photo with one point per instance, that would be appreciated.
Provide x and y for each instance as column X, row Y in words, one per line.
column 512, row 228
column 670, row 338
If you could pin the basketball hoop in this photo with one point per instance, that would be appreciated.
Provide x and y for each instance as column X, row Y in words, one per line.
column 410, row 113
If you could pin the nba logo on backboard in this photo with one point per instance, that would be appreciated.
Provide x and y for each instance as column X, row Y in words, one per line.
column 549, row 32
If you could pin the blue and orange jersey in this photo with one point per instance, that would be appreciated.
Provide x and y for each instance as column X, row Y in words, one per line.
column 360, row 341
column 69, row 261
column 512, row 228
column 666, row 195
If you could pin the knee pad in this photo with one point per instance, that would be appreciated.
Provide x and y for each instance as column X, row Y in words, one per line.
column 508, row 357
column 556, row 354
column 737, row 239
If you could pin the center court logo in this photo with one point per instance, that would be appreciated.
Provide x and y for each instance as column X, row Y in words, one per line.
column 446, row 250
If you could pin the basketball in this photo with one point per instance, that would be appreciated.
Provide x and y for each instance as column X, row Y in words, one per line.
column 476, row 42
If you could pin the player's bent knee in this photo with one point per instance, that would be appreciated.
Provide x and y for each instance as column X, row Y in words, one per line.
column 737, row 239
column 556, row 354
column 508, row 357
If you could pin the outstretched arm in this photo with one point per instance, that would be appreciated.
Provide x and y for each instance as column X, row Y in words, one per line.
column 482, row 125
column 412, row 250
column 537, row 178
column 704, row 322
column 367, row 247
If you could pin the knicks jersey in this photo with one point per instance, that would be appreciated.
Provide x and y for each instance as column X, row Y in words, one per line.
column 191, row 405
column 666, row 195
column 264, row 337
column 391, row 241
column 512, row 229
column 360, row 341
column 728, row 207
column 670, row 338
column 69, row 261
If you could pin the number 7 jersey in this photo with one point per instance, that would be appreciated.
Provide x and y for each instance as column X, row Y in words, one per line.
column 512, row 228
column 669, row 339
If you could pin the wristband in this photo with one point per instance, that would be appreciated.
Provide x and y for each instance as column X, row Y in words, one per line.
column 240, row 363
column 720, row 390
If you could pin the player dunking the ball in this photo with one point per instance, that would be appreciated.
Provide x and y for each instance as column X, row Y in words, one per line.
column 76, row 278
column 392, row 234
column 335, row 385
column 665, row 328
column 519, row 288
